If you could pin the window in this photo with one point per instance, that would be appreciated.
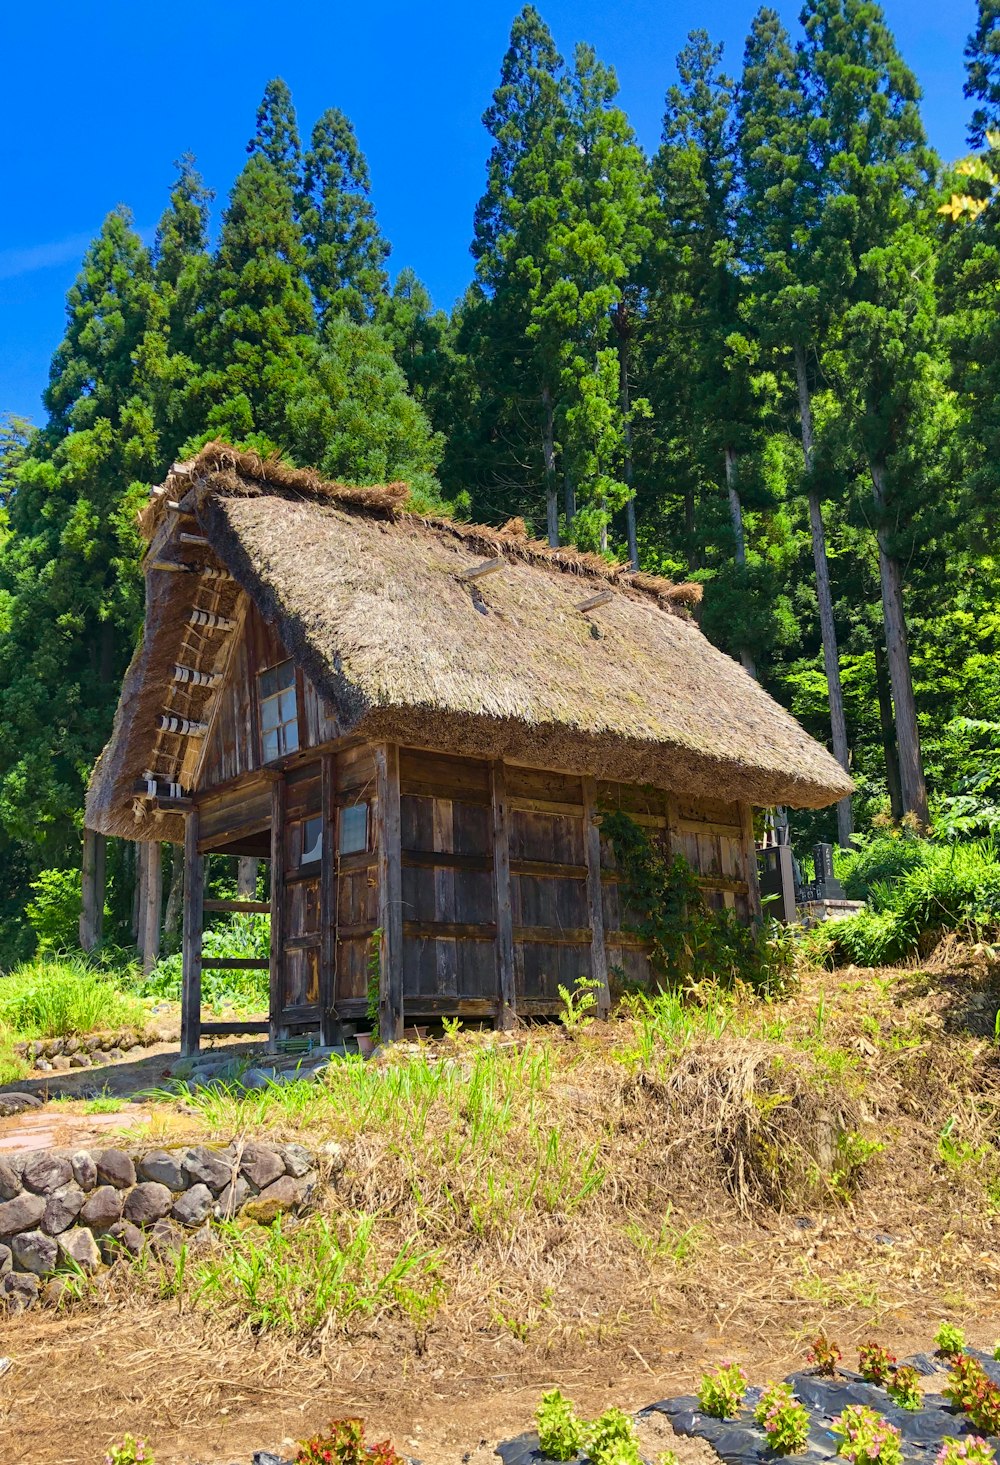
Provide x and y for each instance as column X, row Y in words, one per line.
column 311, row 836
column 354, row 829
column 279, row 726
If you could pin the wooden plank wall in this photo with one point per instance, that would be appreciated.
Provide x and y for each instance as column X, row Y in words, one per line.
column 356, row 883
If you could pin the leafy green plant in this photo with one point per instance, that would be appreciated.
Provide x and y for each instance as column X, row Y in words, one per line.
column 721, row 1393
column 560, row 1433
column 243, row 937
column 875, row 1363
column 784, row 1420
column 374, row 983
column 689, row 942
column 904, row 1388
column 53, row 911
column 965, row 1377
column 56, row 997
column 343, row 1443
column 611, row 1440
column 971, row 1450
column 824, row 1355
column 130, row 1451
column 579, row 1005
column 866, row 1438
column 950, row 1340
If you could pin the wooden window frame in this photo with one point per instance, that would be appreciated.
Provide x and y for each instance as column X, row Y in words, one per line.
column 293, row 686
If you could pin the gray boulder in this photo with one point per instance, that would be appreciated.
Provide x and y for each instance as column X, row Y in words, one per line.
column 115, row 1167
column 45, row 1172
column 5, row 1262
column 232, row 1199
column 298, row 1160
column 80, row 1247
column 62, row 1208
column 208, row 1167
column 21, row 1213
column 164, row 1167
column 194, row 1206
column 33, row 1251
column 84, row 1170
column 18, row 1290
column 148, row 1202
column 121, row 1238
column 10, row 1186
column 261, row 1166
column 284, row 1194
column 103, row 1208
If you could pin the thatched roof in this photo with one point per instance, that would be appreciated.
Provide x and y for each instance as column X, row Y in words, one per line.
column 369, row 599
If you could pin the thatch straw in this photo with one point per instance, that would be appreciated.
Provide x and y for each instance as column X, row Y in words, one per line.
column 368, row 599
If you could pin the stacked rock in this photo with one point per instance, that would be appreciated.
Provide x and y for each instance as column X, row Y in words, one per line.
column 60, row 1212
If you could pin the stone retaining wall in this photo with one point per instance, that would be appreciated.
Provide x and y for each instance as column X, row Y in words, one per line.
column 60, row 1211
column 59, row 1054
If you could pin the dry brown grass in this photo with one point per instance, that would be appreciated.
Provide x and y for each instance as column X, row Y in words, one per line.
column 730, row 1220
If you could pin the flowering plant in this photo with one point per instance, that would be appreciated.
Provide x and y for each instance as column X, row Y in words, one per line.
column 784, row 1419
column 131, row 1451
column 824, row 1355
column 721, row 1394
column 866, row 1438
column 344, row 1444
column 972, row 1450
column 875, row 1364
column 904, row 1388
column 966, row 1376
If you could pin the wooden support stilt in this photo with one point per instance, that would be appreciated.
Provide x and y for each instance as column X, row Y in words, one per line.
column 328, row 1025
column 750, row 863
column 194, row 895
column 390, row 893
column 277, row 960
column 507, row 1010
column 246, row 877
column 595, row 899
column 92, row 889
column 139, row 896
column 152, row 906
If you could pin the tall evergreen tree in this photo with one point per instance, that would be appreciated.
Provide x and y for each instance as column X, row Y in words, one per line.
column 982, row 68
column 276, row 137
column 778, row 213
column 346, row 252
column 871, row 154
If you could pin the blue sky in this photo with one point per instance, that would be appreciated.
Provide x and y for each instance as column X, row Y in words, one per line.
column 100, row 96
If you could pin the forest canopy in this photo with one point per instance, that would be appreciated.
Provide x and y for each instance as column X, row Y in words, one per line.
column 765, row 358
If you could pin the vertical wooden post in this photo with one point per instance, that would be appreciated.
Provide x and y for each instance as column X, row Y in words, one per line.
column 246, row 877
column 328, row 904
column 277, row 994
column 92, row 889
column 507, row 1009
column 750, row 864
column 595, row 899
column 194, row 899
column 152, row 906
column 390, row 893
column 139, row 893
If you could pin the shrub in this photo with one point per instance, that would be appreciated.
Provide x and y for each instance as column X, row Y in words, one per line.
column 54, row 910
column 824, row 1355
column 866, row 1438
column 783, row 1418
column 886, row 857
column 12, row 1068
column 904, row 1388
column 950, row 1340
column 344, row 1444
column 560, row 1432
column 611, row 1440
column 56, row 997
column 243, row 937
column 721, row 1393
column 965, row 1377
column 972, row 1450
column 875, row 1364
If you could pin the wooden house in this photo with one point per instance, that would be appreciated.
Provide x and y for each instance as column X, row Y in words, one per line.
column 418, row 723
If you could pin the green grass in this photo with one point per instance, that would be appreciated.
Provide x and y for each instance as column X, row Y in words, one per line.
column 56, row 997
column 12, row 1068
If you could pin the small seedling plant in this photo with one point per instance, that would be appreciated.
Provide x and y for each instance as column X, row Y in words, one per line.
column 721, row 1393
column 904, row 1388
column 344, row 1444
column 866, row 1438
column 783, row 1419
column 560, row 1432
column 972, row 1450
column 950, row 1340
column 875, row 1363
column 579, row 1005
column 611, row 1440
column 824, row 1355
column 132, row 1450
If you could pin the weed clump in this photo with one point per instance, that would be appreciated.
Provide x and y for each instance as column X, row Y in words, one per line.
column 560, row 1433
column 59, row 997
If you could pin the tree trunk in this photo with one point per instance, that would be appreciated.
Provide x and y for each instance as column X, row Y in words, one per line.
column 736, row 515
column 246, row 877
column 888, row 727
column 138, row 870
column 92, row 889
column 827, row 625
column 569, row 501
column 625, row 402
column 175, row 899
column 549, row 459
column 152, row 905
column 911, row 768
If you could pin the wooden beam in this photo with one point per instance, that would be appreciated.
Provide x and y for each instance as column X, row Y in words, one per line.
column 210, row 620
column 595, row 902
column 92, row 883
column 450, row 930
column 184, row 727
column 328, row 901
column 554, row 935
column 502, row 907
column 197, row 540
column 190, row 676
column 234, row 1029
column 194, row 896
column 152, row 906
column 593, row 601
column 277, row 959
column 390, row 892
column 750, row 864
column 479, row 572
column 236, row 963
column 248, row 907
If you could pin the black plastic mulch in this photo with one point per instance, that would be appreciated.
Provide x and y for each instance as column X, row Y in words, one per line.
column 742, row 1441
